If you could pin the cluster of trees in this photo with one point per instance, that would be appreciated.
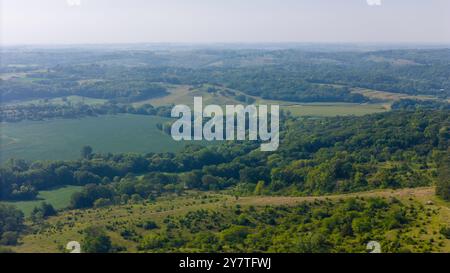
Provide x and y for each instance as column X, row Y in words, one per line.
column 96, row 240
column 315, row 227
column 11, row 224
column 21, row 180
column 43, row 211
column 15, row 113
column 411, row 104
column 443, row 177
column 50, row 85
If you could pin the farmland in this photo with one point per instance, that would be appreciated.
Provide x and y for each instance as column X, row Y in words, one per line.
column 59, row 139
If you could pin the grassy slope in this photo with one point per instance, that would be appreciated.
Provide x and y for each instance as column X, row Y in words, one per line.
column 68, row 225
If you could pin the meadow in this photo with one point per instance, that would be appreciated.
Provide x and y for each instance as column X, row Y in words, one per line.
column 58, row 198
column 62, row 139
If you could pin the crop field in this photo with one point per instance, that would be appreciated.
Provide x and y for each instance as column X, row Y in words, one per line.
column 58, row 198
column 62, row 139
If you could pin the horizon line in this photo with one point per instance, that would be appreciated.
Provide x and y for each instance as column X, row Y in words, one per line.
column 432, row 43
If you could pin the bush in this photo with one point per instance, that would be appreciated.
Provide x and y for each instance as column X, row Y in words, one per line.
column 446, row 232
column 11, row 223
column 102, row 202
column 5, row 250
column 96, row 241
column 9, row 238
column 152, row 241
column 148, row 225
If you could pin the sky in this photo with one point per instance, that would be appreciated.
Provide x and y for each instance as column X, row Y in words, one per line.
column 223, row 21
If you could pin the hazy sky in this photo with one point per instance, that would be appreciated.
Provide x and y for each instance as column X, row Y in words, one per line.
column 131, row 21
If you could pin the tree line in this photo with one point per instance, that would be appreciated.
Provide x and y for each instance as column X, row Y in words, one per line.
column 35, row 112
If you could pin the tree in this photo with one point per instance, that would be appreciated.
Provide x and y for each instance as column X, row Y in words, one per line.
column 210, row 182
column 102, row 202
column 86, row 152
column 234, row 234
column 313, row 243
column 9, row 238
column 96, row 241
column 11, row 223
column 149, row 224
column 65, row 176
column 443, row 179
column 152, row 241
column 446, row 232
column 259, row 188
column 43, row 211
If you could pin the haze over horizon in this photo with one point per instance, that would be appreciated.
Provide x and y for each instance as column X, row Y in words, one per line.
column 231, row 21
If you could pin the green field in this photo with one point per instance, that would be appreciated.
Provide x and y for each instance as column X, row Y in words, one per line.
column 63, row 138
column 59, row 198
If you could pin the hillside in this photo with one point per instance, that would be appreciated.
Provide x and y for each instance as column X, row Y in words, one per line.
column 122, row 222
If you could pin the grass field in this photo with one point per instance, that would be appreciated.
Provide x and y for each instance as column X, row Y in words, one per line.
column 67, row 226
column 59, row 198
column 63, row 138
column 184, row 94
